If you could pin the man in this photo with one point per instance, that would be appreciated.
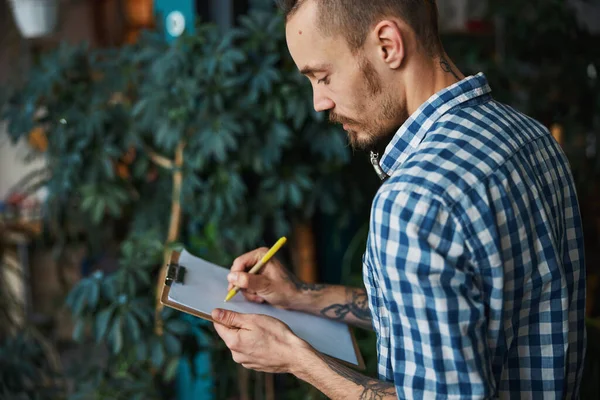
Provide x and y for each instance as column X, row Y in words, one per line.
column 474, row 268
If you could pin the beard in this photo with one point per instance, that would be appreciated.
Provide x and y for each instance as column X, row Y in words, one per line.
column 371, row 134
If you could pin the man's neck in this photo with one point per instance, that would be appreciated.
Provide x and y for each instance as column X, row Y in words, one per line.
column 429, row 76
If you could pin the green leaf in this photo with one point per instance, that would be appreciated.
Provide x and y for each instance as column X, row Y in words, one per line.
column 236, row 56
column 283, row 132
column 142, row 276
column 211, row 66
column 98, row 211
column 218, row 102
column 109, row 171
column 109, row 289
column 158, row 354
column 140, row 168
column 172, row 344
column 116, row 336
column 102, row 322
column 131, row 286
column 133, row 327
column 79, row 329
column 143, row 312
column 120, row 194
column 88, row 202
column 278, row 110
column 82, row 298
column 94, row 294
column 178, row 327
column 113, row 206
column 74, row 296
column 141, row 351
column 171, row 369
column 166, row 135
column 295, row 195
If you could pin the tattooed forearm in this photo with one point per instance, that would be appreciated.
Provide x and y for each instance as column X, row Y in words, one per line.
column 333, row 301
column 301, row 285
column 357, row 305
column 372, row 389
column 447, row 68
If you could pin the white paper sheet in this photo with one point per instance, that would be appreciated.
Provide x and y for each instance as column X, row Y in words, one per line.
column 205, row 288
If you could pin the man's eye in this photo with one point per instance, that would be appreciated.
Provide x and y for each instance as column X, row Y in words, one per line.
column 324, row 80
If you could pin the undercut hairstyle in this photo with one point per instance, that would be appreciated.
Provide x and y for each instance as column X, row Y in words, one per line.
column 353, row 18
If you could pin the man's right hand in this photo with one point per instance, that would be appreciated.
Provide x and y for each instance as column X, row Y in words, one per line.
column 274, row 284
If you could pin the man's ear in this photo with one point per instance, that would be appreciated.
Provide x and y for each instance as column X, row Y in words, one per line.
column 390, row 43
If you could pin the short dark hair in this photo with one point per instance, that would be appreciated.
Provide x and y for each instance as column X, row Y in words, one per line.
column 353, row 18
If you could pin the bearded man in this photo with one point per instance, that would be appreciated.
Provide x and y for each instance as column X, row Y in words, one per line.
column 474, row 265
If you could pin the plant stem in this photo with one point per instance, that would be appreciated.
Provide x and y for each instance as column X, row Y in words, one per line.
column 174, row 221
column 158, row 159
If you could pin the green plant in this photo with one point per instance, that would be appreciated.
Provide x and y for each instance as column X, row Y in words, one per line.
column 29, row 367
column 255, row 148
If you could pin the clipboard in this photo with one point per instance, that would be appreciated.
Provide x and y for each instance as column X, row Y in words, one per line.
column 175, row 273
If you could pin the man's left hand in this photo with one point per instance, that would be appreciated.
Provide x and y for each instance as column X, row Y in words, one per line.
column 259, row 342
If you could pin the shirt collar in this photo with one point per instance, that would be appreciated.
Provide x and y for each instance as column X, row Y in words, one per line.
column 413, row 131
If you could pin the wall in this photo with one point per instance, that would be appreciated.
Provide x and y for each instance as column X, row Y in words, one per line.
column 12, row 162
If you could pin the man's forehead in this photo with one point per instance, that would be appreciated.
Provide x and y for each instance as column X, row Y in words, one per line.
column 309, row 47
column 303, row 23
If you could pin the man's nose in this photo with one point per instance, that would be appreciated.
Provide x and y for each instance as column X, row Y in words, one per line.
column 321, row 101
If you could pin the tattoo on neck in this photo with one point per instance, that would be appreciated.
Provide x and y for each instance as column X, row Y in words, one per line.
column 357, row 305
column 447, row 68
column 290, row 277
column 372, row 389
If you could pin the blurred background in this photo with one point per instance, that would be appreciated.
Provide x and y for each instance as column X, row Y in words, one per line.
column 131, row 128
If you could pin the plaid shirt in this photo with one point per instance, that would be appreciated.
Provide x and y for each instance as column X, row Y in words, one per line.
column 474, row 265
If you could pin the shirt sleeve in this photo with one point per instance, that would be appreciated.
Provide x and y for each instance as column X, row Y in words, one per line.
column 437, row 319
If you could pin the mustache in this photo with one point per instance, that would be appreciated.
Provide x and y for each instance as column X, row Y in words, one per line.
column 339, row 119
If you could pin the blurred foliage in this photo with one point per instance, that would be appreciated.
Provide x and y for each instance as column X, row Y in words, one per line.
column 29, row 365
column 540, row 60
column 28, row 368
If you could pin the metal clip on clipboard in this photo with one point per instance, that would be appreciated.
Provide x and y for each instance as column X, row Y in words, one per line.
column 175, row 273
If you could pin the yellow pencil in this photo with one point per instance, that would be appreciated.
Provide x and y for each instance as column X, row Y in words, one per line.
column 259, row 265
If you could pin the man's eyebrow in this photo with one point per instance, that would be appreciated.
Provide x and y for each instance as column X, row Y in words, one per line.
column 308, row 70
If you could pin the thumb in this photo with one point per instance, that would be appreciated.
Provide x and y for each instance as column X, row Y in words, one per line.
column 228, row 318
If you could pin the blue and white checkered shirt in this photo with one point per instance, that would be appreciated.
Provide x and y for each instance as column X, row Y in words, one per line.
column 474, row 265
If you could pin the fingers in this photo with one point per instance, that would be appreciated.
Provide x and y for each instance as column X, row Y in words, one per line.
column 239, row 357
column 251, row 282
column 253, row 298
column 229, row 318
column 247, row 261
column 246, row 361
column 224, row 332
column 254, row 366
